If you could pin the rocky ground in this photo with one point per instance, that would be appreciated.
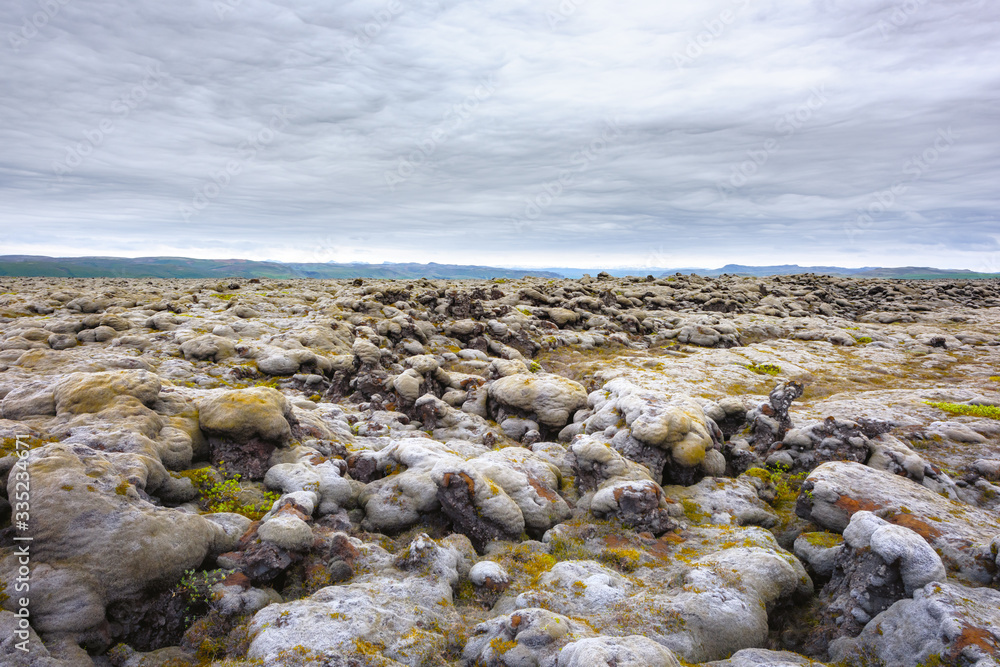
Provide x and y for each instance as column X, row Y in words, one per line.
column 729, row 472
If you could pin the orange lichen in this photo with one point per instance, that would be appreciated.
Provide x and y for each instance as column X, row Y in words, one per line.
column 922, row 528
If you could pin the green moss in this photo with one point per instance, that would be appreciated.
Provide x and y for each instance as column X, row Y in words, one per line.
column 624, row 559
column 863, row 339
column 823, row 540
column 10, row 446
column 500, row 646
column 764, row 369
column 221, row 494
column 524, row 563
column 568, row 549
column 693, row 511
column 987, row 411
column 759, row 473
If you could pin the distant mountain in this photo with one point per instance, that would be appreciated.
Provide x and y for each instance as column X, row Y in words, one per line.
column 907, row 272
column 185, row 267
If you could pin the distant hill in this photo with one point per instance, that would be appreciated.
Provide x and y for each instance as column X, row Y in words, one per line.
column 184, row 267
column 906, row 272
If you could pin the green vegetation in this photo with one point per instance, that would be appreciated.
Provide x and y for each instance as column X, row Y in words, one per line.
column 225, row 495
column 824, row 539
column 185, row 267
column 10, row 446
column 621, row 558
column 196, row 588
column 987, row 411
column 764, row 369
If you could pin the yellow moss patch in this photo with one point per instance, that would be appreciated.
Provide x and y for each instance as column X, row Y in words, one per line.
column 987, row 411
column 501, row 646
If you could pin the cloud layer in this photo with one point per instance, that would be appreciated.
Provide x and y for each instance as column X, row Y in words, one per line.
column 517, row 132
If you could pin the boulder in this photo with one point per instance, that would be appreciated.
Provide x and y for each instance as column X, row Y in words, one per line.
column 629, row 651
column 525, row 637
column 243, row 414
column 395, row 616
column 944, row 624
column 670, row 436
column 879, row 564
column 32, row 399
column 550, row 400
column 209, row 346
column 80, row 393
column 959, row 533
column 96, row 540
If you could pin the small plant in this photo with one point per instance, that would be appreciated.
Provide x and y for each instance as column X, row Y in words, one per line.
column 864, row 340
column 196, row 588
column 987, row 411
column 224, row 495
column 764, row 369
column 534, row 367
column 623, row 559
column 786, row 486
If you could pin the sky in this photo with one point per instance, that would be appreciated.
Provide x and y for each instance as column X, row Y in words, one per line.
column 528, row 133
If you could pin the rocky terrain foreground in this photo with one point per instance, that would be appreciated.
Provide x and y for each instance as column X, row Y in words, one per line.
column 728, row 472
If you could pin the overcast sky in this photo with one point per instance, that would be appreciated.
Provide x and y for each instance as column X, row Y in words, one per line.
column 651, row 133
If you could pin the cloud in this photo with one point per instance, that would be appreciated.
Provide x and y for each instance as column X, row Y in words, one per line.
column 740, row 130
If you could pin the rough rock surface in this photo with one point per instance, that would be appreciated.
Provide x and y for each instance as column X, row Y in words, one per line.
column 944, row 623
column 668, row 470
column 960, row 534
column 86, row 508
column 879, row 564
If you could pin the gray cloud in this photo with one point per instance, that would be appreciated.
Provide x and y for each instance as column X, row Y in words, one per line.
column 750, row 130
